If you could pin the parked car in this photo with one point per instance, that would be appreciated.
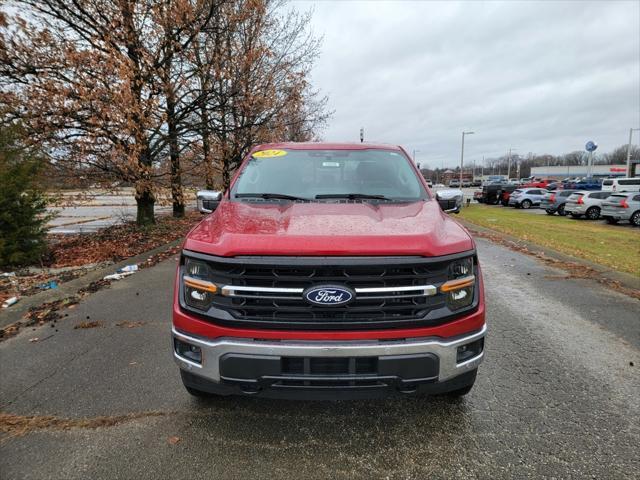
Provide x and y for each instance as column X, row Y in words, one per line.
column 273, row 299
column 554, row 186
column 507, row 190
column 538, row 183
column 454, row 183
column 621, row 184
column 492, row 193
column 526, row 197
column 477, row 182
column 555, row 202
column 478, row 196
column 583, row 184
column 622, row 206
column 429, row 184
column 466, row 183
column 586, row 204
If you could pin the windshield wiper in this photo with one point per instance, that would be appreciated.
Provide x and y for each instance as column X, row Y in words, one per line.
column 353, row 196
column 281, row 196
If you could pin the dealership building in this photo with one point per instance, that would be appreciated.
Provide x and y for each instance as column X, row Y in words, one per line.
column 564, row 171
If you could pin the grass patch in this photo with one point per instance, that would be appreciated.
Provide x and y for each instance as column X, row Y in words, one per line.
column 615, row 247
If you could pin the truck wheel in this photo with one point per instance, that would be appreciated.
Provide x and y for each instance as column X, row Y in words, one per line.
column 461, row 392
column 635, row 219
column 593, row 213
column 526, row 204
column 561, row 211
column 198, row 393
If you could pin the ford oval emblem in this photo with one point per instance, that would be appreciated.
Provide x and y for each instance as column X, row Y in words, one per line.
column 328, row 295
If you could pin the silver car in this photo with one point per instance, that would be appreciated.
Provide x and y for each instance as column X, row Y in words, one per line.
column 526, row 197
column 622, row 206
column 585, row 203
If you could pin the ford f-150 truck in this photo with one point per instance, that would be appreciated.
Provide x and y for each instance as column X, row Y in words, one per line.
column 328, row 271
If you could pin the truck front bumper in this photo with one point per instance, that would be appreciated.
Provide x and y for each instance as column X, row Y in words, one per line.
column 287, row 368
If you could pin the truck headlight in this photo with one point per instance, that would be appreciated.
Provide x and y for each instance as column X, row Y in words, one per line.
column 198, row 290
column 459, row 290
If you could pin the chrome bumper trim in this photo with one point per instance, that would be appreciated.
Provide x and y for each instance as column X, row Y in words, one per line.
column 212, row 351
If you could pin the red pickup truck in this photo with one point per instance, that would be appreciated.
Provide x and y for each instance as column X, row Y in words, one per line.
column 328, row 271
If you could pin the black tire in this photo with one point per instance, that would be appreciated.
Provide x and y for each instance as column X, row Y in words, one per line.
column 611, row 221
column 575, row 215
column 461, row 392
column 526, row 204
column 198, row 393
column 593, row 213
column 635, row 219
column 561, row 211
column 550, row 212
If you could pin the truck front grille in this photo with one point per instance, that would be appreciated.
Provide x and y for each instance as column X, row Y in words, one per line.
column 267, row 292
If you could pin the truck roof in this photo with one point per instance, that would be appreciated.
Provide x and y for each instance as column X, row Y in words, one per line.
column 326, row 146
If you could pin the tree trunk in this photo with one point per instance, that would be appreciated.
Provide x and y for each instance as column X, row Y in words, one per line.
column 146, row 201
column 206, row 148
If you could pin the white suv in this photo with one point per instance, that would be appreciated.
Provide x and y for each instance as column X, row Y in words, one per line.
column 585, row 203
column 621, row 184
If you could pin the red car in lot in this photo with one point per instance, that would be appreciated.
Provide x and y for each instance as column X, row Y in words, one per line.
column 538, row 183
column 327, row 271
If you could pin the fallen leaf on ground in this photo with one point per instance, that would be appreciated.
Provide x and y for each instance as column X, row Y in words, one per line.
column 34, row 339
column 173, row 440
column 88, row 325
column 128, row 324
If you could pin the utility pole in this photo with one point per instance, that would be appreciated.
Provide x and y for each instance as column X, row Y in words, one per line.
column 361, row 134
column 629, row 151
column 509, row 164
column 462, row 154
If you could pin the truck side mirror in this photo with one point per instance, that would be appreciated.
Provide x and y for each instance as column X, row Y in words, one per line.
column 450, row 200
column 208, row 200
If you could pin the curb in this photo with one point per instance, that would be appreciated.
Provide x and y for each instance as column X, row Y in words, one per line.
column 14, row 313
column 625, row 279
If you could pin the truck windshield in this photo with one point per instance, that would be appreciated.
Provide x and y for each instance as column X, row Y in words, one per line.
column 364, row 175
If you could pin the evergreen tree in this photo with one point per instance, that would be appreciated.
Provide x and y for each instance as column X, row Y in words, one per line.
column 22, row 202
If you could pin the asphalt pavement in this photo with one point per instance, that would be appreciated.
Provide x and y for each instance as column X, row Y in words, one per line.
column 556, row 397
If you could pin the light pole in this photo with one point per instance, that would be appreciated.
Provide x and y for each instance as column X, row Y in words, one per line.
column 414, row 154
column 631, row 130
column 509, row 165
column 462, row 155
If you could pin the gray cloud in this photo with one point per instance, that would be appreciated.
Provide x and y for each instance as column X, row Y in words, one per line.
column 540, row 77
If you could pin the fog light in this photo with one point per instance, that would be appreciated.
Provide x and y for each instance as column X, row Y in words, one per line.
column 469, row 351
column 192, row 353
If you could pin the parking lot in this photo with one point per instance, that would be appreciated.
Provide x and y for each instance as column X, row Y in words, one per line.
column 556, row 397
column 86, row 212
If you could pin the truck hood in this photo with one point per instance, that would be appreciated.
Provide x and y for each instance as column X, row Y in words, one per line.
column 340, row 229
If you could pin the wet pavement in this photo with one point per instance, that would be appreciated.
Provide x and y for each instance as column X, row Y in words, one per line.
column 556, row 397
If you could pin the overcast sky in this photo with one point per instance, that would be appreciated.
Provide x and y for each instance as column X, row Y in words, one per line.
column 540, row 77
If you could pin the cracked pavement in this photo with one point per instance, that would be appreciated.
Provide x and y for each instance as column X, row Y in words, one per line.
column 557, row 396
